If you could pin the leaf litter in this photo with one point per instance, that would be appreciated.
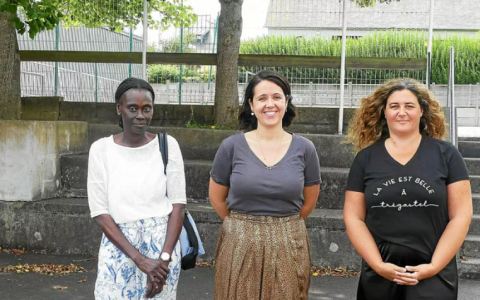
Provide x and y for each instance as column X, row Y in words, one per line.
column 46, row 269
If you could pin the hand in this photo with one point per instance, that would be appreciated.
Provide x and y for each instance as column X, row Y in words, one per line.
column 418, row 273
column 394, row 273
column 153, row 269
column 153, row 289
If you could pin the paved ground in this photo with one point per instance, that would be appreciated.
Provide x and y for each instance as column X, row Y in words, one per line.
column 196, row 284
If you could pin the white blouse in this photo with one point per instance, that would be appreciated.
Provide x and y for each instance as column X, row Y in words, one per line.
column 129, row 184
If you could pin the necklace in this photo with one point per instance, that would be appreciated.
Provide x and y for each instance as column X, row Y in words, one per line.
column 263, row 155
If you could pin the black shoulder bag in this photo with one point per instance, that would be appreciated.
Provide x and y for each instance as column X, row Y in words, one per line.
column 188, row 259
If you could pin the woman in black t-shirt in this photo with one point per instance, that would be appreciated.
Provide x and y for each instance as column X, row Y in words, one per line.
column 408, row 204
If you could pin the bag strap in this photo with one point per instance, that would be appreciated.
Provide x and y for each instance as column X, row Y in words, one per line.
column 192, row 237
column 162, row 137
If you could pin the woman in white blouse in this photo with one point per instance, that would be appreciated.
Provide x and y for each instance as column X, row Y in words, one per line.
column 139, row 254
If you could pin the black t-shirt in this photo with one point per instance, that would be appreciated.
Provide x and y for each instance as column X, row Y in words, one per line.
column 407, row 204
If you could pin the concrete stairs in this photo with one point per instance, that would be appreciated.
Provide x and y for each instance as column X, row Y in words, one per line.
column 330, row 245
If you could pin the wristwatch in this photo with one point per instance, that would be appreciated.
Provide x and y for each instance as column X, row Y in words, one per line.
column 165, row 256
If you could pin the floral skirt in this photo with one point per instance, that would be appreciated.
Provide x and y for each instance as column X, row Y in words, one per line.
column 119, row 278
column 262, row 258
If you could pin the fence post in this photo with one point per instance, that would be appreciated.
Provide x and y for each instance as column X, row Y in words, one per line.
column 476, row 103
column 57, row 44
column 131, row 48
column 181, row 66
column 96, row 83
column 350, row 92
column 342, row 66
column 213, row 50
column 451, row 96
column 470, row 95
column 145, row 40
column 310, row 87
column 430, row 42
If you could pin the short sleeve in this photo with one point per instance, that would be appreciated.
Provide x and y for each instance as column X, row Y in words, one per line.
column 96, row 181
column 222, row 166
column 176, row 188
column 356, row 176
column 312, row 165
column 457, row 170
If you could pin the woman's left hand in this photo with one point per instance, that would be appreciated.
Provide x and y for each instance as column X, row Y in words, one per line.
column 155, row 288
column 419, row 272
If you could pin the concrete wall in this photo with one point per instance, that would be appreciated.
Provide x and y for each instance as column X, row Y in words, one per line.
column 309, row 120
column 64, row 226
column 30, row 156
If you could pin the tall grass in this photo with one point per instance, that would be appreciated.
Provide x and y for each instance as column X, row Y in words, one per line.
column 386, row 44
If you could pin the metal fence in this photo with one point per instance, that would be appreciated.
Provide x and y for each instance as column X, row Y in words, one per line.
column 295, row 27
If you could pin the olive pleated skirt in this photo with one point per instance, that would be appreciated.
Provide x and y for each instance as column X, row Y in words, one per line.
column 262, row 258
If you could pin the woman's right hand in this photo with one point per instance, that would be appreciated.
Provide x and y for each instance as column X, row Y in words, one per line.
column 391, row 271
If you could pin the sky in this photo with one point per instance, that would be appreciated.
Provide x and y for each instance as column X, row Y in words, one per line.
column 254, row 13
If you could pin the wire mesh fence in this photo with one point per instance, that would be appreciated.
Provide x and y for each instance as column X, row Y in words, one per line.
column 290, row 27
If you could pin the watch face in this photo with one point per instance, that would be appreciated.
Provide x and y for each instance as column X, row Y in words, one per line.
column 165, row 256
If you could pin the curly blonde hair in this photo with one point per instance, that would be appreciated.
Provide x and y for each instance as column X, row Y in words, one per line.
column 369, row 124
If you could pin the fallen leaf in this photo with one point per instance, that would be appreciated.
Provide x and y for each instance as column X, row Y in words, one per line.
column 60, row 288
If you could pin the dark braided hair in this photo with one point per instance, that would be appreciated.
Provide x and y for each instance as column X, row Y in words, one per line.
column 128, row 84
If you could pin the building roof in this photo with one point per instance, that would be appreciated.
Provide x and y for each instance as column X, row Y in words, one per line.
column 405, row 14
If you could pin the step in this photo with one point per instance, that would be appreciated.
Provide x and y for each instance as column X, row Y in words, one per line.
column 197, row 176
column 469, row 268
column 471, row 246
column 65, row 227
column 202, row 144
column 469, row 139
column 469, row 148
column 475, row 183
column 473, row 165
column 476, row 203
column 475, row 225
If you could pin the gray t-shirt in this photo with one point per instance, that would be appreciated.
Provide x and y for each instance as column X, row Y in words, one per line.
column 257, row 190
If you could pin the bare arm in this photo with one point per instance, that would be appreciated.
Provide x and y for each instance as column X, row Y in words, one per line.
column 218, row 196
column 174, row 227
column 354, row 213
column 460, row 212
column 310, row 194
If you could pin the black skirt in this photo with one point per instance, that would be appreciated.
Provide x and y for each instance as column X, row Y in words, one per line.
column 443, row 286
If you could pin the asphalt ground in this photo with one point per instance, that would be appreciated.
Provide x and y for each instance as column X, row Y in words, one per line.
column 195, row 284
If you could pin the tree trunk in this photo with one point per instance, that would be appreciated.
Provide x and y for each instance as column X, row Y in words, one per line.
column 226, row 87
column 10, row 102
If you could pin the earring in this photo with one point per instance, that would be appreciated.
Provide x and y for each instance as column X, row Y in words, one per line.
column 252, row 114
column 118, row 113
column 285, row 109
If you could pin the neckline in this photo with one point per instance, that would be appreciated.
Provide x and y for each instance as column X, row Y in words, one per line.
column 134, row 148
column 411, row 159
column 250, row 151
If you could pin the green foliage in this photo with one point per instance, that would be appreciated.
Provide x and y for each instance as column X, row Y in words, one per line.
column 43, row 15
column 171, row 73
column 387, row 44
column 39, row 15
column 173, row 45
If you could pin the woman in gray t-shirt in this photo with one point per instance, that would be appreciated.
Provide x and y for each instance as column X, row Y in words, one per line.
column 264, row 183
